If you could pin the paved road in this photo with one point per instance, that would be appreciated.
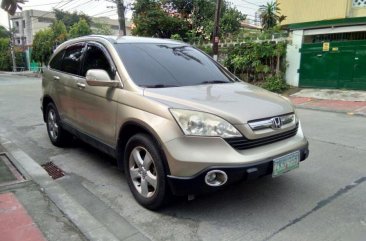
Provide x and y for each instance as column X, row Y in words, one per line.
column 323, row 200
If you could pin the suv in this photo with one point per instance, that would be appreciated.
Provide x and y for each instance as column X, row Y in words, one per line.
column 176, row 120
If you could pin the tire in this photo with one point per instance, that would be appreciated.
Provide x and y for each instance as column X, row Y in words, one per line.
column 58, row 136
column 145, row 173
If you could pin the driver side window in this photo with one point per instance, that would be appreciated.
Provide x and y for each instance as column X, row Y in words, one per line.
column 96, row 59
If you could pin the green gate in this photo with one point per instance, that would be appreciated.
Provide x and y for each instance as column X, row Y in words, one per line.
column 343, row 65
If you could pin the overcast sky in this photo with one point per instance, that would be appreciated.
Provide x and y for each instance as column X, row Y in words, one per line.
column 99, row 8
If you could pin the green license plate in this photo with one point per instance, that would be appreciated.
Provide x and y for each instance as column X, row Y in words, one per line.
column 286, row 163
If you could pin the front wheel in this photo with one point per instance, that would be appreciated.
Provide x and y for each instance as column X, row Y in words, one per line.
column 145, row 171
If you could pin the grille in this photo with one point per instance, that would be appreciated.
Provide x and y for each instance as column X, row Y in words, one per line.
column 53, row 170
column 242, row 143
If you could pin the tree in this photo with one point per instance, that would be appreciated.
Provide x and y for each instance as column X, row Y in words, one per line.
column 102, row 28
column 45, row 41
column 70, row 19
column 80, row 28
column 5, row 55
column 151, row 20
column 190, row 19
column 11, row 6
column 43, row 44
column 4, row 33
column 270, row 15
column 230, row 21
column 59, row 32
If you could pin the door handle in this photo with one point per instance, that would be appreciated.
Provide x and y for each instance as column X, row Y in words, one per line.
column 56, row 77
column 81, row 85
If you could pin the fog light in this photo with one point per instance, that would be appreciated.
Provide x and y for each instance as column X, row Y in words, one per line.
column 216, row 178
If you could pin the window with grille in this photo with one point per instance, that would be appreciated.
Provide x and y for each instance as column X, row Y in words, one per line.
column 359, row 3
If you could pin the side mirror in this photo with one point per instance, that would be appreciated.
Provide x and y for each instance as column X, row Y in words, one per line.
column 100, row 77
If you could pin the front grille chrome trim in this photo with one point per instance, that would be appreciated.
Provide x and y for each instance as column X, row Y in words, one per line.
column 242, row 143
column 270, row 122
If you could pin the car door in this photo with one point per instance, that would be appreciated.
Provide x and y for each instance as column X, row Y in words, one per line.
column 65, row 68
column 96, row 105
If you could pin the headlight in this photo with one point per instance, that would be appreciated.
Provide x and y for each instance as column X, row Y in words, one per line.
column 197, row 123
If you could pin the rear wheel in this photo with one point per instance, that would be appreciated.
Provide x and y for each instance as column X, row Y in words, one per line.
column 145, row 171
column 58, row 136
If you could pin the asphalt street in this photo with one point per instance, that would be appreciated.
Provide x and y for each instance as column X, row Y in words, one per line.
column 325, row 199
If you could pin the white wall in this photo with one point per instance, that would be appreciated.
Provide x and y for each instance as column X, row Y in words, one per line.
column 293, row 58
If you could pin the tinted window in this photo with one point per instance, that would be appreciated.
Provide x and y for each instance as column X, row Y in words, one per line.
column 57, row 60
column 152, row 65
column 72, row 59
column 96, row 59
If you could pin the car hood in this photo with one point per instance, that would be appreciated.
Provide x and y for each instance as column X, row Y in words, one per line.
column 236, row 102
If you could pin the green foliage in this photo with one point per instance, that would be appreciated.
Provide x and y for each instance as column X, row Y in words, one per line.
column 102, row 29
column 69, row 19
column 151, row 20
column 230, row 20
column 80, row 28
column 260, row 63
column 4, row 33
column 5, row 55
column 192, row 19
column 43, row 44
column 270, row 15
column 59, row 32
column 275, row 84
column 176, row 37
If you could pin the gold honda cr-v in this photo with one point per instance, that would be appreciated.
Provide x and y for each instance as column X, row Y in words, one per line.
column 176, row 121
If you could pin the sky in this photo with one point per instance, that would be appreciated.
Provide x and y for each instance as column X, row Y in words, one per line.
column 99, row 8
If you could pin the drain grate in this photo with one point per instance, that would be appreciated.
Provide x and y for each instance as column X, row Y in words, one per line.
column 53, row 170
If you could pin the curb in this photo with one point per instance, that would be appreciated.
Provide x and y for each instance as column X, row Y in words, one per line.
column 90, row 227
column 330, row 110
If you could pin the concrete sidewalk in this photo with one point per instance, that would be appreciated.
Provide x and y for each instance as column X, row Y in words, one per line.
column 35, row 207
column 344, row 101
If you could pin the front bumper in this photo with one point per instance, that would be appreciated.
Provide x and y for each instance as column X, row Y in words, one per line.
column 196, row 184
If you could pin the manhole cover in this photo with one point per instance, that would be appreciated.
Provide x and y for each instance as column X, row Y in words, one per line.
column 9, row 174
column 53, row 170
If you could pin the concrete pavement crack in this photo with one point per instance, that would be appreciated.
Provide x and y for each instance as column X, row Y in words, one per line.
column 337, row 144
column 320, row 205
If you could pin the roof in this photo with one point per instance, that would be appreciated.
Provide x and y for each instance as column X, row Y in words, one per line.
column 134, row 39
column 327, row 23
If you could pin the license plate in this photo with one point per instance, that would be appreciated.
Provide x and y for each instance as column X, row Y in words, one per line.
column 286, row 163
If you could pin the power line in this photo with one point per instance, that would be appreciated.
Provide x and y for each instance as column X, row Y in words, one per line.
column 74, row 7
column 112, row 10
column 251, row 3
column 40, row 5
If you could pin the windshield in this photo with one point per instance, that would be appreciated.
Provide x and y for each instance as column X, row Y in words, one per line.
column 155, row 65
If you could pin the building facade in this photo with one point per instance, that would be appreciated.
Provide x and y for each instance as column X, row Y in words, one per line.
column 27, row 23
column 328, row 43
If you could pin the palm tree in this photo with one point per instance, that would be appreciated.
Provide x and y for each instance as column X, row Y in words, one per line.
column 11, row 5
column 270, row 15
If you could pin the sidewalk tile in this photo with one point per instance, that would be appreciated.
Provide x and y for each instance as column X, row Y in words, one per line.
column 300, row 100
column 15, row 223
column 338, row 105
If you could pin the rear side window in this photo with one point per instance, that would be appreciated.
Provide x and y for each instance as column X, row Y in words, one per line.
column 72, row 59
column 57, row 61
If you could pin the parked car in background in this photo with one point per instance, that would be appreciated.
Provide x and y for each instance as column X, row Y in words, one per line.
column 176, row 121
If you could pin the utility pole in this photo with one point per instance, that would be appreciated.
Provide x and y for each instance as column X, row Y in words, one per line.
column 215, row 39
column 121, row 17
column 12, row 45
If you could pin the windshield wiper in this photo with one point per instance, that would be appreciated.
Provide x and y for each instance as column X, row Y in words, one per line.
column 158, row 86
column 215, row 82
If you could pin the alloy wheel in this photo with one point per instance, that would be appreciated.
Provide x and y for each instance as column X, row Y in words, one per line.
column 143, row 172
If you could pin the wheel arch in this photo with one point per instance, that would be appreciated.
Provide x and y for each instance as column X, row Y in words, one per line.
column 45, row 101
column 131, row 128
